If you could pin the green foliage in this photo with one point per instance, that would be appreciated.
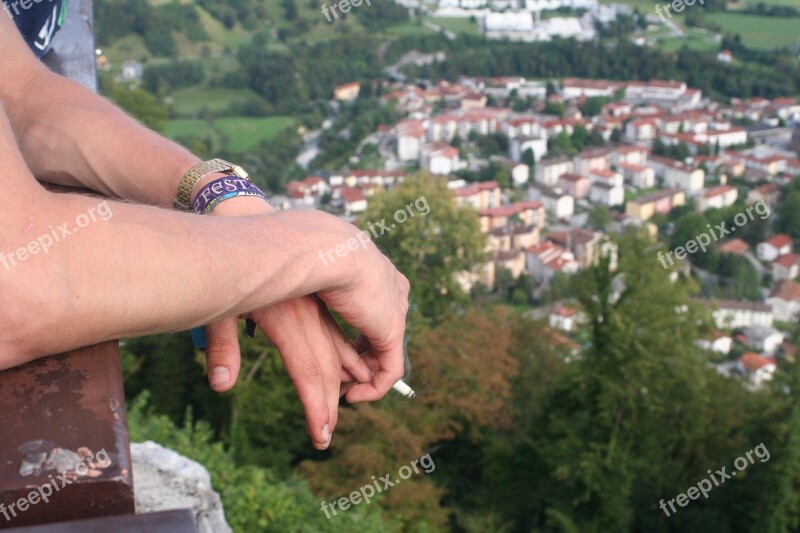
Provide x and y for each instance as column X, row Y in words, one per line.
column 142, row 105
column 154, row 23
column 599, row 218
column 789, row 215
column 162, row 78
column 430, row 250
column 255, row 500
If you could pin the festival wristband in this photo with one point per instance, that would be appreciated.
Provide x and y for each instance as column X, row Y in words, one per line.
column 222, row 189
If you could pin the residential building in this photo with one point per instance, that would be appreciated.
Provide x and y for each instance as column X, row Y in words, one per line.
column 549, row 170
column 784, row 300
column 677, row 174
column 734, row 246
column 644, row 207
column 556, row 202
column 544, row 259
column 439, row 158
column 594, row 159
column 774, row 247
column 717, row 197
column 732, row 314
column 765, row 339
column 758, row 369
column 479, row 196
column 717, row 342
column 786, row 267
column 347, row 92
column 564, row 318
column 607, row 194
column 639, row 176
column 574, row 185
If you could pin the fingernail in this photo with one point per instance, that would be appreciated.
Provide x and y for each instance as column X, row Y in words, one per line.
column 326, row 436
column 219, row 376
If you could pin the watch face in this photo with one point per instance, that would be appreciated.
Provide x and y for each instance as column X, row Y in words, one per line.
column 239, row 171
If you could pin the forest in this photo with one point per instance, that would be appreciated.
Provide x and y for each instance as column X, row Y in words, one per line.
column 528, row 433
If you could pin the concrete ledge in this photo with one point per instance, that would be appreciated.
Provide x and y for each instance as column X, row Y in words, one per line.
column 73, row 46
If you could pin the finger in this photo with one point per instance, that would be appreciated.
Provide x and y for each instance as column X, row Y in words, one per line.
column 223, row 356
column 350, row 359
column 390, row 371
column 345, row 388
column 307, row 376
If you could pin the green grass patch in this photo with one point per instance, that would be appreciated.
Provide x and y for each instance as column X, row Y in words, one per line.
column 759, row 32
column 460, row 25
column 697, row 39
column 191, row 101
column 243, row 133
column 128, row 48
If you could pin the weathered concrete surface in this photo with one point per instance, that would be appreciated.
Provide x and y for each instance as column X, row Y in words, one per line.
column 164, row 479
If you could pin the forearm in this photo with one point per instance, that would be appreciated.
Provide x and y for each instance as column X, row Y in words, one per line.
column 71, row 136
column 139, row 269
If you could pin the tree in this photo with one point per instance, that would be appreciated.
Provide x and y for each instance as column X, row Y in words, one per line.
column 431, row 247
column 462, row 371
column 789, row 215
column 141, row 105
column 529, row 158
column 599, row 218
column 631, row 419
column 289, row 10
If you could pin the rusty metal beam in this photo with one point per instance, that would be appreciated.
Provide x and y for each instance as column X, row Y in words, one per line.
column 58, row 415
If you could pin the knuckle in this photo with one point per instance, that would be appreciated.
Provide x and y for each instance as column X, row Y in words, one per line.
column 220, row 345
column 311, row 369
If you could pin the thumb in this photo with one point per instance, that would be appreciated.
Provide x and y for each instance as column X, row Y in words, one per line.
column 222, row 354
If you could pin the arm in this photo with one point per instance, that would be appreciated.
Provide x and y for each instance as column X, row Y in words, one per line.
column 149, row 270
column 71, row 136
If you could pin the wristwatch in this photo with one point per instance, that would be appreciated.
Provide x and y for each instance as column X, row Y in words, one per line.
column 183, row 200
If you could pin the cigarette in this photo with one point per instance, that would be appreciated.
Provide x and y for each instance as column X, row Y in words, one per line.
column 404, row 389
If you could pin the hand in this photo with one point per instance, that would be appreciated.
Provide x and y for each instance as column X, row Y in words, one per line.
column 321, row 361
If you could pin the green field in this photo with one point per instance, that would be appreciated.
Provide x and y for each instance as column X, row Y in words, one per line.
column 696, row 39
column 193, row 100
column 759, row 32
column 459, row 25
column 243, row 133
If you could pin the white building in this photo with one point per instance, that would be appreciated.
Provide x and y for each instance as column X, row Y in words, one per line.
column 439, row 158
column 549, row 170
column 555, row 202
column 717, row 197
column 734, row 314
column 603, row 193
column 757, row 368
column 519, row 145
column 763, row 338
column 774, row 247
column 784, row 300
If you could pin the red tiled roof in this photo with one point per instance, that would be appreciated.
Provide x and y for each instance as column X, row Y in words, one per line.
column 734, row 246
column 718, row 190
column 751, row 361
column 788, row 260
column 786, row 290
column 779, row 241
